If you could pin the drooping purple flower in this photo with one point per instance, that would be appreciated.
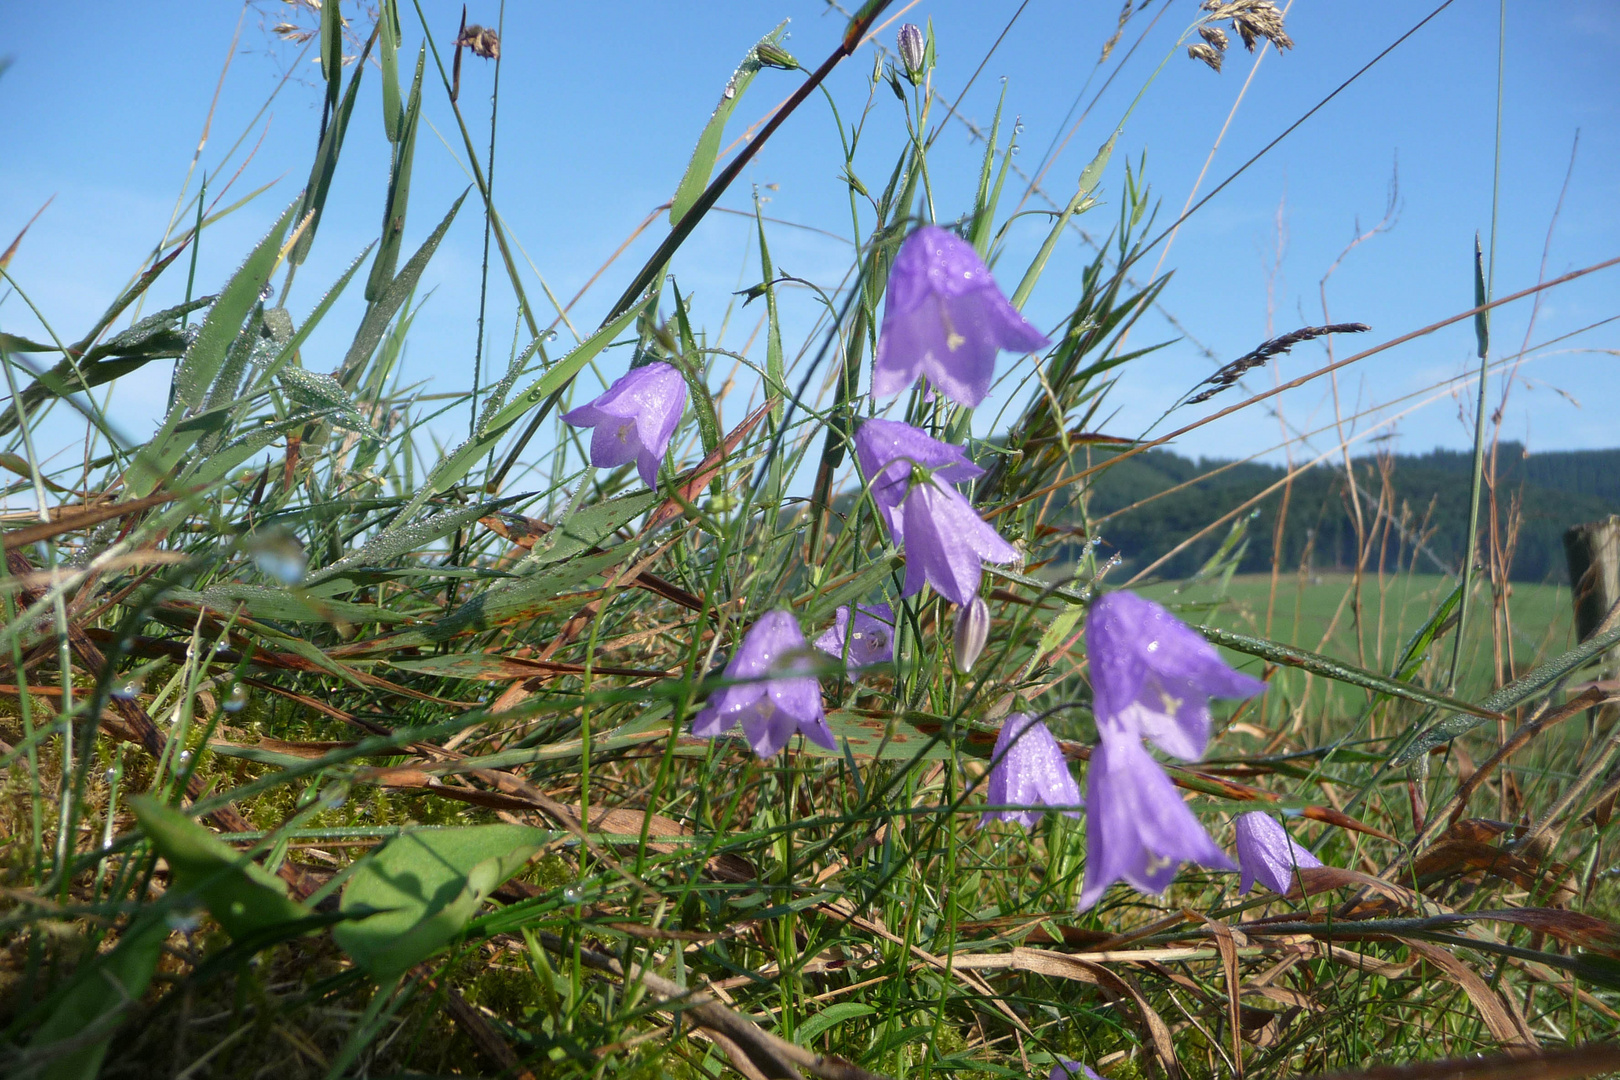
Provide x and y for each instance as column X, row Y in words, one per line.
column 1137, row 828
column 945, row 539
column 871, row 642
column 1265, row 851
column 887, row 450
column 1068, row 1069
column 772, row 698
column 634, row 419
column 1152, row 675
column 945, row 320
column 1027, row 769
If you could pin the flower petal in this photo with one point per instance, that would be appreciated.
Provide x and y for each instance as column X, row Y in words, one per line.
column 1137, row 828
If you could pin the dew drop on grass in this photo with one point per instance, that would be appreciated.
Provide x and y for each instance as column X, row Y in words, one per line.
column 237, row 699
column 183, row 921
column 112, row 775
column 573, row 894
column 278, row 554
column 551, row 336
column 185, row 756
column 126, row 690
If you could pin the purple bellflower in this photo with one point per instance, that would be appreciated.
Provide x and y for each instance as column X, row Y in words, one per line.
column 1067, row 1069
column 1152, row 675
column 1265, row 851
column 1027, row 769
column 1137, row 827
column 945, row 538
column 777, row 699
column 871, row 642
column 634, row 419
column 945, row 320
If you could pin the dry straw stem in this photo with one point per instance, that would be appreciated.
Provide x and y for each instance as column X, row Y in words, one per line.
column 1589, row 1060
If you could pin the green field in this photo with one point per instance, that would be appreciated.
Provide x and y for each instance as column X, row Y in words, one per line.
column 1318, row 613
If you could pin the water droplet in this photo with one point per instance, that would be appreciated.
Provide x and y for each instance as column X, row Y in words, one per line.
column 112, row 775
column 237, row 699
column 573, row 894
column 335, row 802
column 183, row 921
column 551, row 336
column 731, row 91
column 185, row 756
column 278, row 554
column 221, row 646
column 267, row 292
column 126, row 690
column 106, row 843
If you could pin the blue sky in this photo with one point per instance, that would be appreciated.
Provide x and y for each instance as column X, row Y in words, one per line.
column 601, row 104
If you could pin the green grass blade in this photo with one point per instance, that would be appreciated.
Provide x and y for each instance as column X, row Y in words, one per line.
column 707, row 151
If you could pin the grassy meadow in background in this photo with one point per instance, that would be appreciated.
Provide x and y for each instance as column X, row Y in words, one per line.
column 345, row 722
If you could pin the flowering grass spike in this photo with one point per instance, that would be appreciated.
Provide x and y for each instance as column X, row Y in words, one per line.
column 945, row 539
column 1027, row 769
column 770, row 700
column 1152, row 675
column 945, row 320
column 635, row 419
column 1265, row 851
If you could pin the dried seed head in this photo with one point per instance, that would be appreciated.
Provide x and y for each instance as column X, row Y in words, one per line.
column 1214, row 35
column 913, row 50
column 482, row 40
column 1254, row 20
column 1203, row 52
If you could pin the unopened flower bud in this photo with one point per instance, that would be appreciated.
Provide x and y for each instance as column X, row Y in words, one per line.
column 972, row 631
column 912, row 50
column 773, row 55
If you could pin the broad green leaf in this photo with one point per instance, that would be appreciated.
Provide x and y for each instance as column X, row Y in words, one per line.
column 517, row 599
column 202, row 361
column 394, row 541
column 326, row 158
column 290, row 349
column 984, row 204
column 1061, row 626
column 97, row 997
column 1417, row 649
column 1081, row 202
column 324, row 392
column 207, row 470
column 874, row 737
column 1512, row 695
column 425, row 886
column 858, row 589
column 281, row 604
column 239, row 893
column 399, row 189
column 707, row 151
column 380, row 313
column 388, row 35
column 1337, row 670
column 199, row 367
column 588, row 526
column 826, row 1018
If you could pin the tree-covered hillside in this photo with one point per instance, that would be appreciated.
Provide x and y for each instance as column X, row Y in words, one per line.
column 1161, row 498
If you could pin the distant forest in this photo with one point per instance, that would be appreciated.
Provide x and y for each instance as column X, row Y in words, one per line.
column 1543, row 494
